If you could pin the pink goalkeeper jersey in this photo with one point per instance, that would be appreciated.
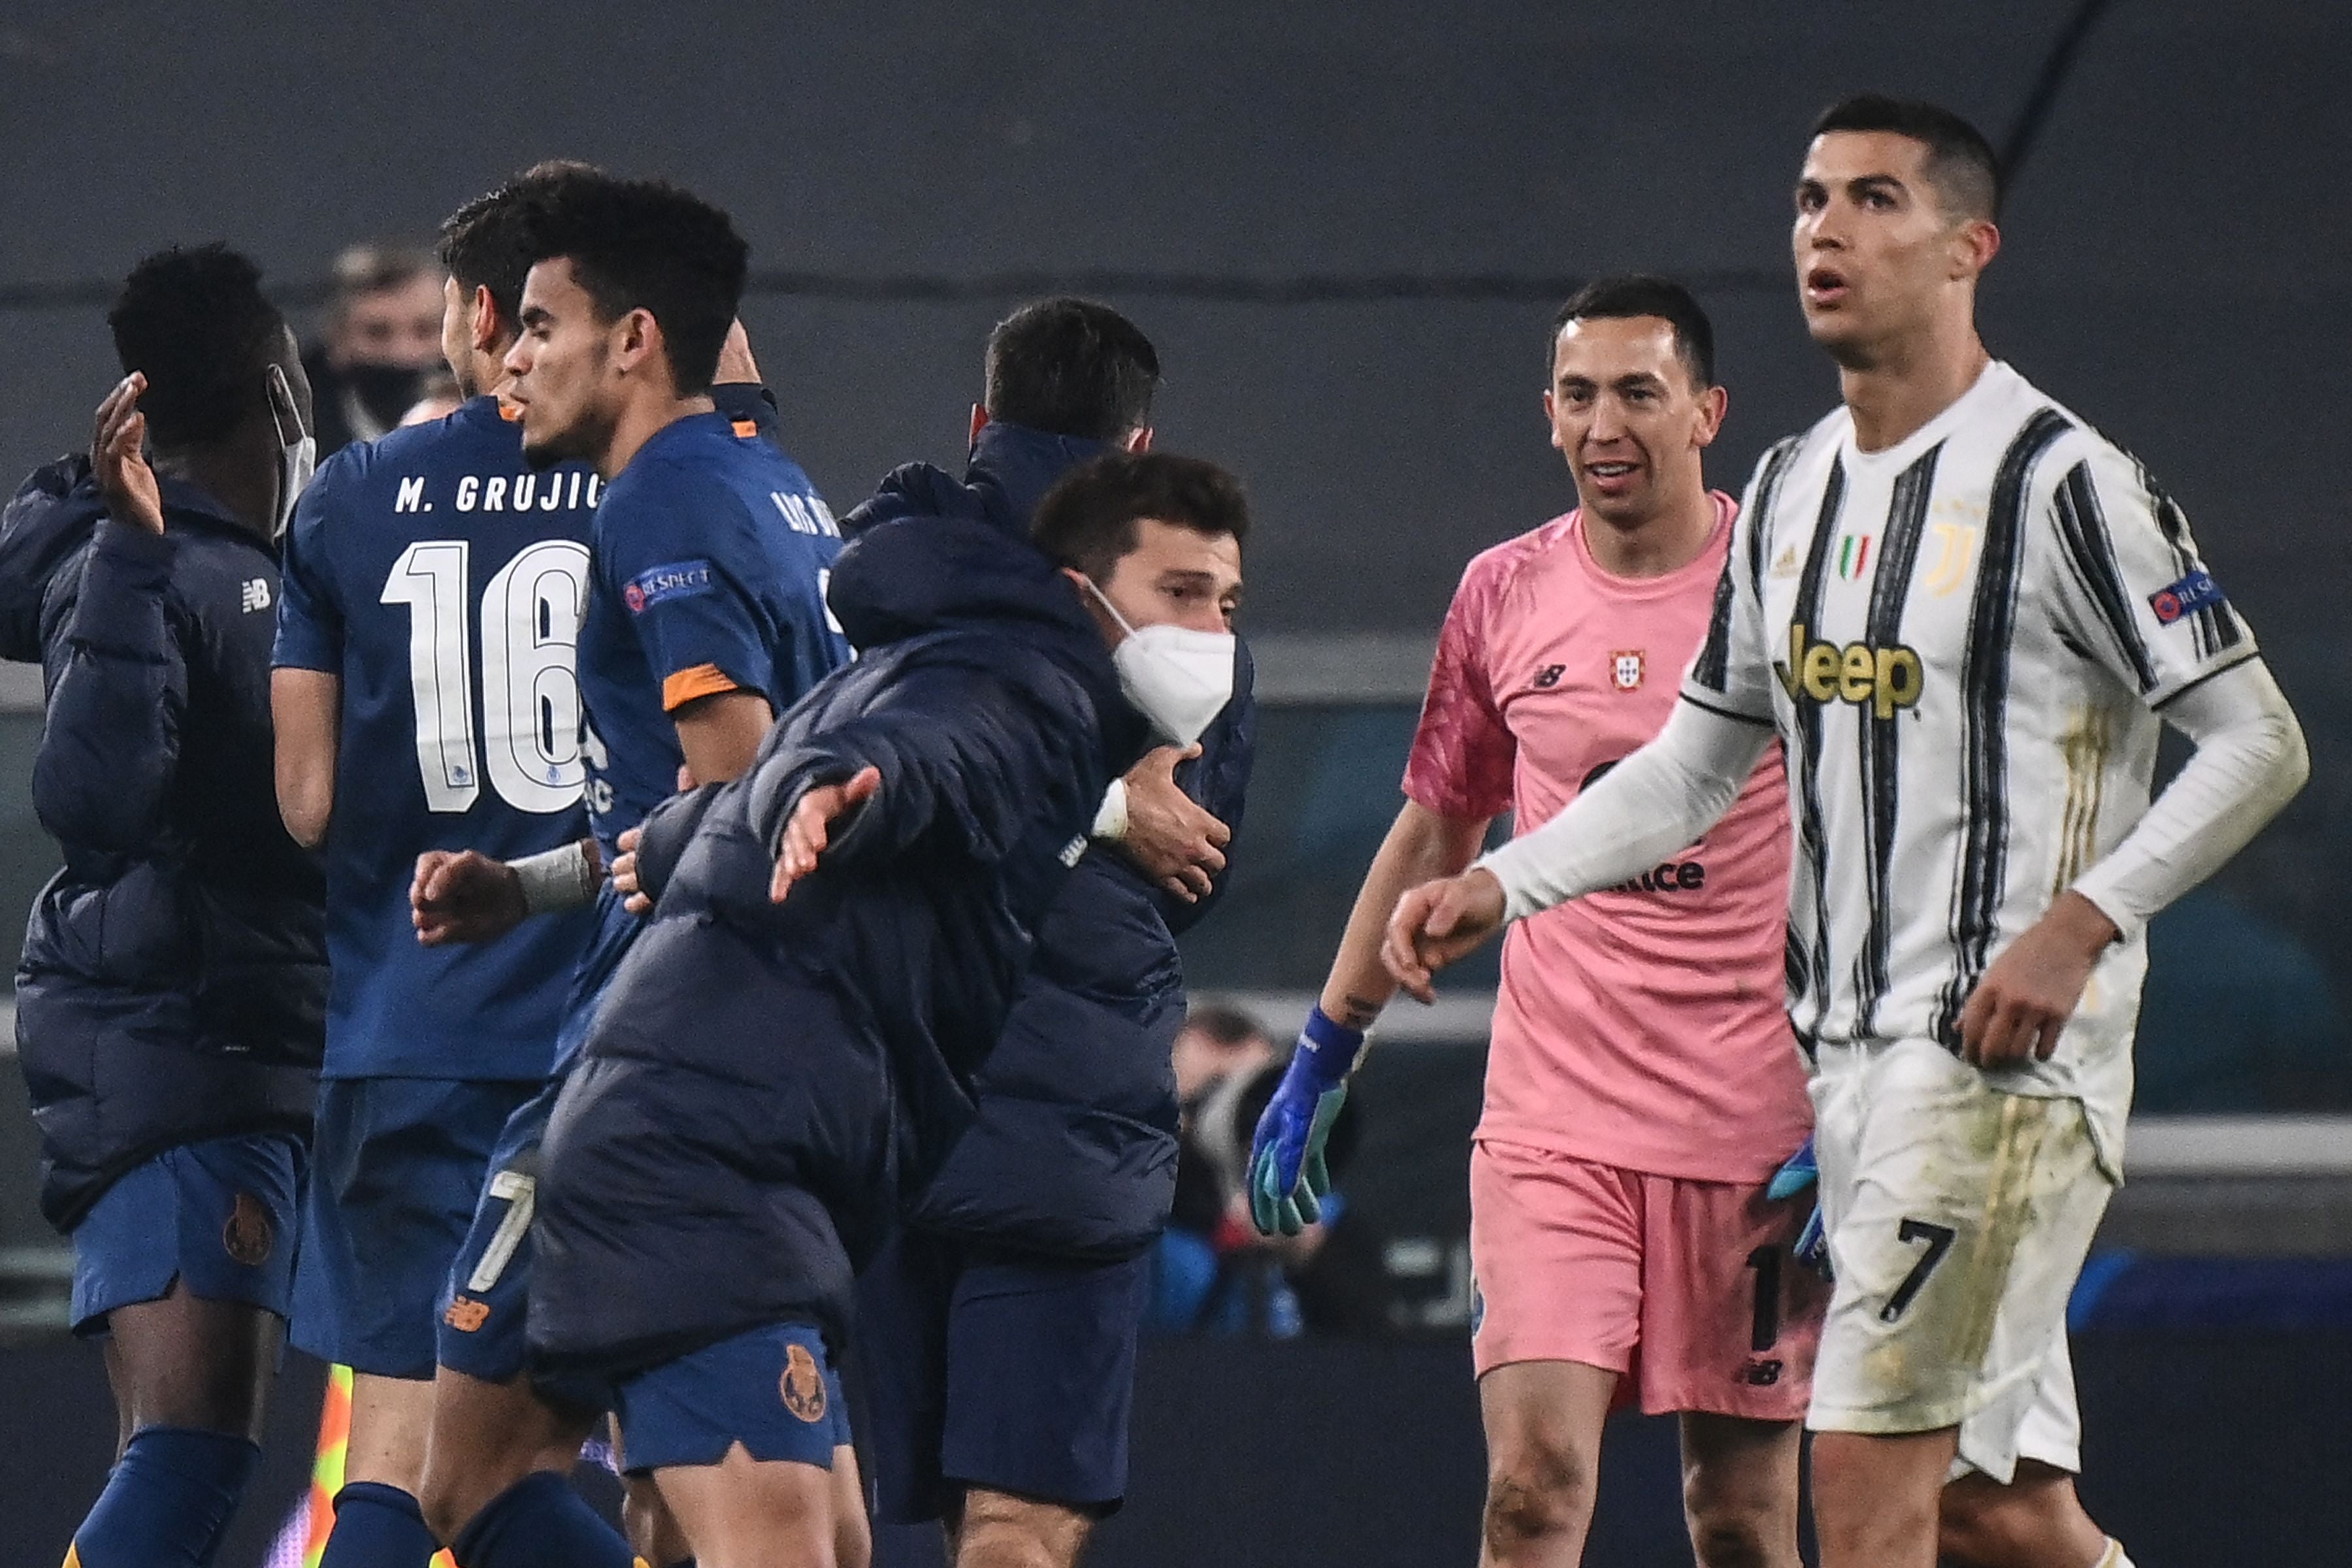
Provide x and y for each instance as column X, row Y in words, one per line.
column 1646, row 1026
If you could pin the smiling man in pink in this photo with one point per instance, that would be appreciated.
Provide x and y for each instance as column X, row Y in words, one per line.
column 1643, row 1083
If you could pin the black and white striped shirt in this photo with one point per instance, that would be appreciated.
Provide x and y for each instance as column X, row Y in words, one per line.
column 1964, row 641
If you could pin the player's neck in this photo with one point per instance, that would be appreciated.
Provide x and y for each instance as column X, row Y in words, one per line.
column 1896, row 394
column 641, row 421
column 243, row 494
column 1666, row 542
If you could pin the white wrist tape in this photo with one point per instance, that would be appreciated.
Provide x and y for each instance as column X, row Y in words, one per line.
column 556, row 879
column 1110, row 821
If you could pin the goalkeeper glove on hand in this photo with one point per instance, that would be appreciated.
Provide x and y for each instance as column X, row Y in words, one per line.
column 1288, row 1177
column 1797, row 1174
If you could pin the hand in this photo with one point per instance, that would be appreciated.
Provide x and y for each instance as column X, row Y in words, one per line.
column 1289, row 1175
column 2021, row 1007
column 635, row 898
column 1799, row 1174
column 464, row 897
column 1437, row 923
column 117, row 453
column 625, row 873
column 1169, row 836
column 805, row 835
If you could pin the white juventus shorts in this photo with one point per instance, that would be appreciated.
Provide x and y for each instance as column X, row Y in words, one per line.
column 1958, row 1218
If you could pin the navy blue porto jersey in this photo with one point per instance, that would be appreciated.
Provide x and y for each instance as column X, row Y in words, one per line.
column 710, row 559
column 444, row 580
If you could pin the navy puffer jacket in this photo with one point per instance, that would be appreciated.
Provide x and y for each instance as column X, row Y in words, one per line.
column 173, row 980
column 1072, row 1150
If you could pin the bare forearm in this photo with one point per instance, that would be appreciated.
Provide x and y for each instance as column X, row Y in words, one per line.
column 1421, row 847
column 306, row 709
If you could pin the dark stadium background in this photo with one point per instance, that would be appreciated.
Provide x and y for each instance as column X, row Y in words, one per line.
column 1345, row 224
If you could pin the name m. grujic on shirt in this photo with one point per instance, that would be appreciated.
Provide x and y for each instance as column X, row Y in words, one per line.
column 560, row 489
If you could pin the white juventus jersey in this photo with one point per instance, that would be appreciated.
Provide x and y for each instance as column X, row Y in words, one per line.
column 1964, row 641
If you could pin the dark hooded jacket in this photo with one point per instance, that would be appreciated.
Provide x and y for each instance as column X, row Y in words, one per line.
column 1073, row 1152
column 173, row 980
column 986, row 700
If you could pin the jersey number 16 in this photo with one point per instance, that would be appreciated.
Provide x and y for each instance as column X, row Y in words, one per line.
column 530, row 689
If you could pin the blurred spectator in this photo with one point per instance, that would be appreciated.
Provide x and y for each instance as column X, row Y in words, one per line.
column 383, row 338
column 1213, row 1272
column 437, row 400
column 1217, row 1040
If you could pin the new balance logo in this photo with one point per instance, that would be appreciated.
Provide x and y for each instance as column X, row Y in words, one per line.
column 1548, row 677
column 254, row 594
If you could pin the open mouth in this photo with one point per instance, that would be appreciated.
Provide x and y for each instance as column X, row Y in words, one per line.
column 1824, row 285
column 1611, row 477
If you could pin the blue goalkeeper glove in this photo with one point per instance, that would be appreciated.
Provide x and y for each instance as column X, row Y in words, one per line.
column 1288, row 1177
column 1798, row 1173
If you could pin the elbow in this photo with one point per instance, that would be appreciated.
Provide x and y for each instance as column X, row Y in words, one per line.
column 306, row 800
column 2294, row 766
column 305, row 817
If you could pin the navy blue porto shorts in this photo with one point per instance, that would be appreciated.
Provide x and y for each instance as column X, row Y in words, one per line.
column 221, row 1214
column 396, row 1166
column 485, row 1292
column 1009, row 1372
column 772, row 1389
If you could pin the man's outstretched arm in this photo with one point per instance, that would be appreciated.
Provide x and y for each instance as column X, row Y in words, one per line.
column 1661, row 797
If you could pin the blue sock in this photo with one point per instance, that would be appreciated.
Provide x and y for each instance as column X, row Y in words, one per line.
column 169, row 1500
column 377, row 1526
column 541, row 1522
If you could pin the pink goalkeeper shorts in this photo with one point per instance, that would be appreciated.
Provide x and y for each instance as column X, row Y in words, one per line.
column 1686, row 1289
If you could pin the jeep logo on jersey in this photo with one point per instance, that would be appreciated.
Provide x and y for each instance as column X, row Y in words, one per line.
column 1885, row 679
column 1625, row 670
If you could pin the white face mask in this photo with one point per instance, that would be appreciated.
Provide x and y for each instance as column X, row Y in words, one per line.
column 1179, row 679
column 298, row 453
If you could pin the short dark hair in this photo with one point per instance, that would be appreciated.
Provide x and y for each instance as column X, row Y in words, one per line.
column 1071, row 367
column 1087, row 521
column 486, row 243
column 194, row 322
column 1961, row 163
column 1631, row 294
column 647, row 245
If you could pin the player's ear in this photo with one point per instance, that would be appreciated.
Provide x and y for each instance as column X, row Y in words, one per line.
column 637, row 338
column 484, row 328
column 1091, row 597
column 1138, row 440
column 1713, row 403
column 1551, row 421
column 1975, row 242
column 979, row 423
